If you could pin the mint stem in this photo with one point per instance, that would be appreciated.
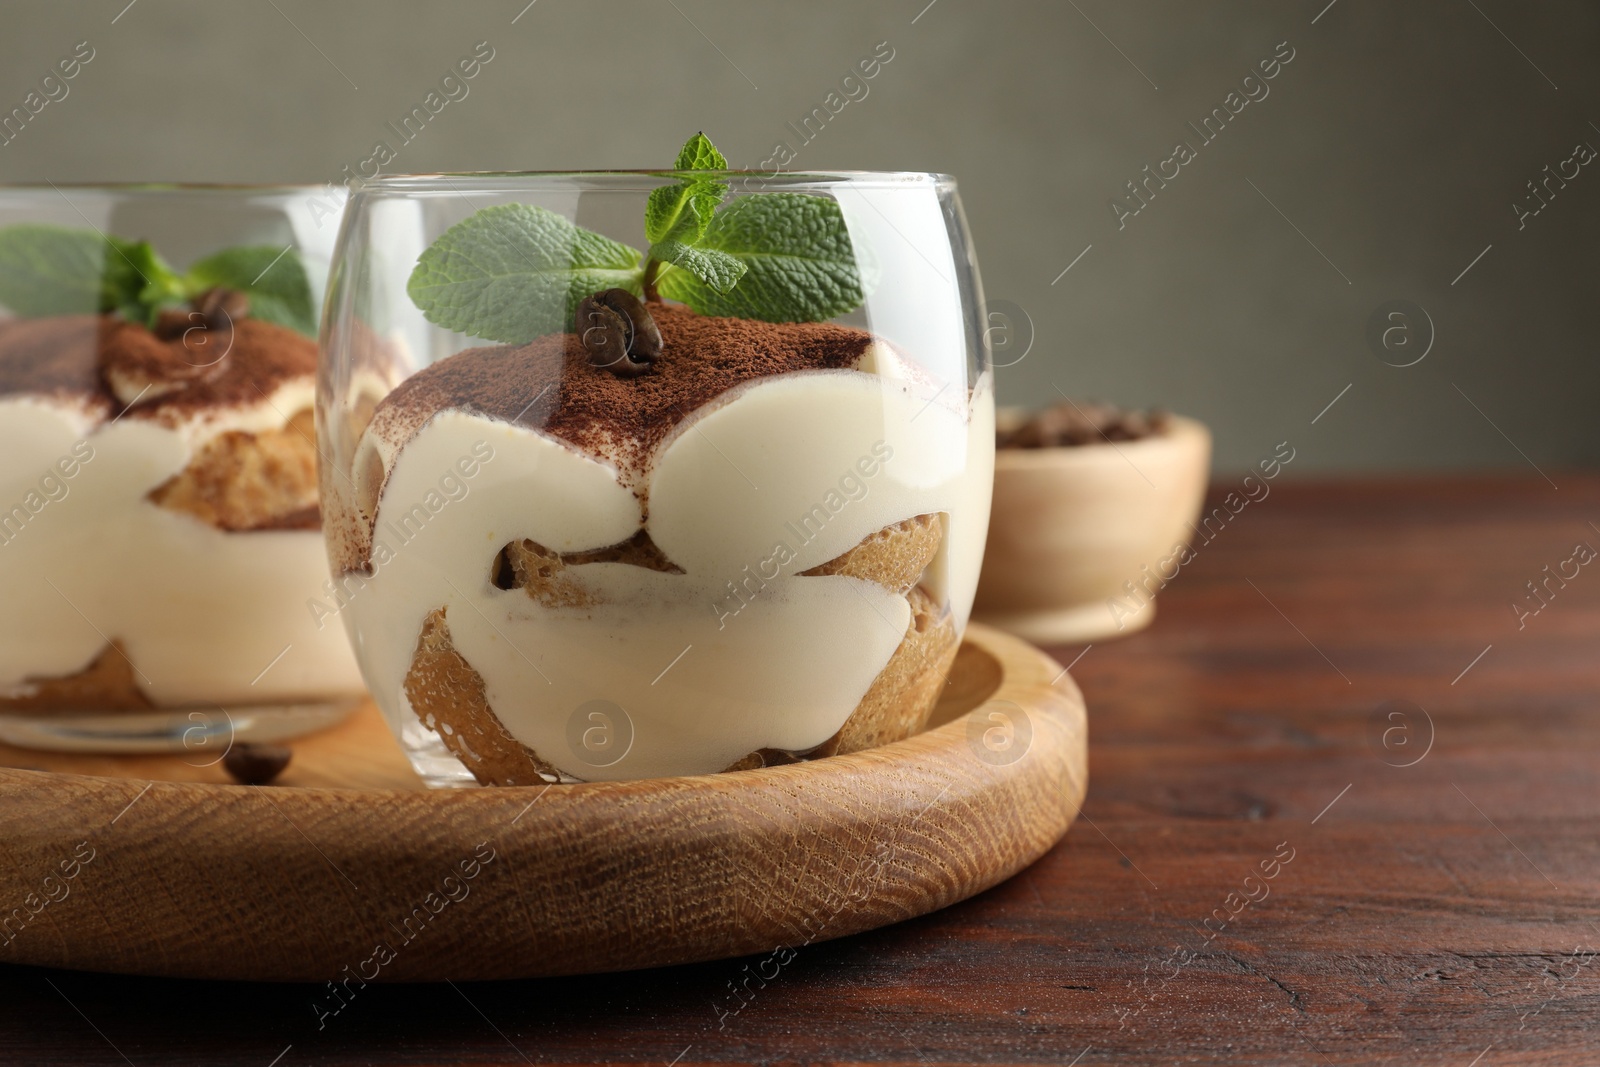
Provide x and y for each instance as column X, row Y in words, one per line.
column 652, row 268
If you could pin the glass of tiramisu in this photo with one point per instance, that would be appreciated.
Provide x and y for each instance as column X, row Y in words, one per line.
column 641, row 474
column 159, row 523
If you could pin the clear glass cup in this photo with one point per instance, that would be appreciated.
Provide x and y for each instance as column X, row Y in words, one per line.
column 760, row 545
column 159, row 541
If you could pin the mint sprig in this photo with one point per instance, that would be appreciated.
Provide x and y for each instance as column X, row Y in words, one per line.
column 137, row 281
column 684, row 210
column 796, row 261
column 56, row 270
column 274, row 280
column 514, row 272
column 676, row 218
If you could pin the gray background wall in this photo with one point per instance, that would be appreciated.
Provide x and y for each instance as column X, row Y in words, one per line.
column 1386, row 157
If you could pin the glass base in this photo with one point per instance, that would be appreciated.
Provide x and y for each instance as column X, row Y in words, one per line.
column 195, row 731
column 436, row 765
column 433, row 762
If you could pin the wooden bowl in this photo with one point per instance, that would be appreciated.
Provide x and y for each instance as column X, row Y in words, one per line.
column 123, row 869
column 1080, row 538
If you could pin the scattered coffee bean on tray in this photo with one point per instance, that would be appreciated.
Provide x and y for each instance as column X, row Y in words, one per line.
column 254, row 764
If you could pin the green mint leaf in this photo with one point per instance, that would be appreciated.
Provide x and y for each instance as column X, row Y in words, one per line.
column 683, row 211
column 698, row 153
column 51, row 270
column 719, row 270
column 137, row 281
column 515, row 272
column 800, row 263
column 274, row 280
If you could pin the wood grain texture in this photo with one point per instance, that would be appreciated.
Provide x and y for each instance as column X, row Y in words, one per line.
column 297, row 884
column 1408, row 929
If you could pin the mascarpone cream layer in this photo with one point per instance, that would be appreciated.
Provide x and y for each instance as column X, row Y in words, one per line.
column 86, row 559
column 767, row 482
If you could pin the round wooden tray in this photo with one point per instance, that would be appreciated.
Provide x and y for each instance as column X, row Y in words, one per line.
column 152, row 865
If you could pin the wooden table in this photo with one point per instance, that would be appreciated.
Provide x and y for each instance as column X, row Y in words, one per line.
column 1438, row 912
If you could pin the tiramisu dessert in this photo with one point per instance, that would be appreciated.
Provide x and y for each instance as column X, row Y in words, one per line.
column 159, row 524
column 675, row 523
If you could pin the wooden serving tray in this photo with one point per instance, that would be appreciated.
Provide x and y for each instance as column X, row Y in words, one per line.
column 349, row 870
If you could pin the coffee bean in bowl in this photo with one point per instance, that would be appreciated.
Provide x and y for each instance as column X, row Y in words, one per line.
column 1070, row 424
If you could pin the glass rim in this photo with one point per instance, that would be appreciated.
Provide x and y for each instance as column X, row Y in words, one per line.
column 445, row 181
column 142, row 188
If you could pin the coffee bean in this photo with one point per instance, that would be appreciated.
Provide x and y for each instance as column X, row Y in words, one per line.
column 256, row 764
column 220, row 308
column 171, row 323
column 617, row 332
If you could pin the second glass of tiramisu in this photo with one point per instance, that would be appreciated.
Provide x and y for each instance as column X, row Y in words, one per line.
column 159, row 521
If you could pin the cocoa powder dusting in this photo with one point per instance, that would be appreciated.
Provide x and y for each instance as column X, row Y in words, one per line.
column 52, row 357
column 69, row 355
column 549, row 385
column 260, row 358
